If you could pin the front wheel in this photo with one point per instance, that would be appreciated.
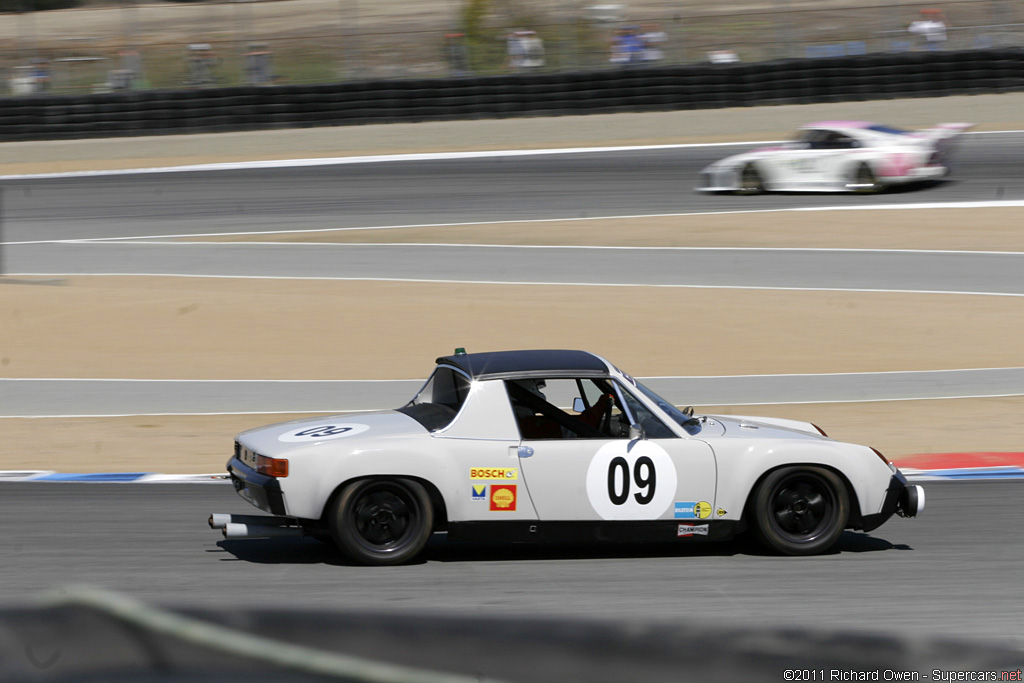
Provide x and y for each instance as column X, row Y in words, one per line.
column 800, row 510
column 382, row 521
column 864, row 181
column 750, row 181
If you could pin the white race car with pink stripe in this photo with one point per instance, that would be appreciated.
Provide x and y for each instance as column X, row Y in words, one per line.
column 837, row 156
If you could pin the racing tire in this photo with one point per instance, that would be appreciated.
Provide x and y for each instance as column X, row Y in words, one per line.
column 382, row 521
column 800, row 510
column 750, row 181
column 864, row 180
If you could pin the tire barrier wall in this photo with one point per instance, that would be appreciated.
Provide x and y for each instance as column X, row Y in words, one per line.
column 704, row 86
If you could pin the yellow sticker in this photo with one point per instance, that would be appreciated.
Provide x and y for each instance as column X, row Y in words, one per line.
column 721, row 512
column 702, row 510
column 503, row 473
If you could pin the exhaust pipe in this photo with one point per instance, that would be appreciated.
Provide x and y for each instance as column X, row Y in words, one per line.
column 219, row 520
column 233, row 530
column 911, row 502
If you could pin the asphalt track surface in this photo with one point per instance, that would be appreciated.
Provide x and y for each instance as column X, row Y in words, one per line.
column 955, row 571
column 441, row 192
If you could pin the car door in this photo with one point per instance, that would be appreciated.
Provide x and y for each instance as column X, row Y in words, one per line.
column 609, row 476
column 813, row 164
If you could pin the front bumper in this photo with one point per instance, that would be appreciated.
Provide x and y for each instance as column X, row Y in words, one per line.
column 901, row 498
column 260, row 490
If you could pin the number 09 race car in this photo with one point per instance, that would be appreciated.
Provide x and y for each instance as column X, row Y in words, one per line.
column 554, row 446
column 831, row 156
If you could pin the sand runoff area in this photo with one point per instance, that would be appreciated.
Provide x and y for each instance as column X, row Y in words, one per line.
column 161, row 327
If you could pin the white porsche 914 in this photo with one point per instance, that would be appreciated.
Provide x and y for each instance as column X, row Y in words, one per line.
column 837, row 156
column 554, row 446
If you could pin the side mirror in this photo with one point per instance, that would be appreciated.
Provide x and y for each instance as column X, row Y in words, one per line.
column 578, row 405
column 636, row 432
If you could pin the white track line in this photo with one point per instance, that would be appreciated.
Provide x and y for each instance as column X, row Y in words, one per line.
column 372, row 159
column 877, row 207
column 540, row 247
column 299, row 278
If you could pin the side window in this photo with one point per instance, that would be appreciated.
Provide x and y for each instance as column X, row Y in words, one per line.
column 577, row 408
column 439, row 401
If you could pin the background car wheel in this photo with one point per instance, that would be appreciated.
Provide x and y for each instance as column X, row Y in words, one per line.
column 382, row 521
column 800, row 510
column 864, row 180
column 750, row 181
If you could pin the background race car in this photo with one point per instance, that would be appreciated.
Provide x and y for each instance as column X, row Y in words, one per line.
column 837, row 156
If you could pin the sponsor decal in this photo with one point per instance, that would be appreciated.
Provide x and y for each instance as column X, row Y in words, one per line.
column 506, row 473
column 503, row 498
column 323, row 432
column 692, row 530
column 479, row 491
column 688, row 510
column 631, row 480
column 721, row 513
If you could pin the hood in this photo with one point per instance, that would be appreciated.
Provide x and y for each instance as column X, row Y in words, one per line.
column 761, row 427
column 282, row 437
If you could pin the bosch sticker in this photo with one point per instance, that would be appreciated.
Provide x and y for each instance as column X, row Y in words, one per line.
column 506, row 473
column 692, row 530
column 631, row 480
column 323, row 432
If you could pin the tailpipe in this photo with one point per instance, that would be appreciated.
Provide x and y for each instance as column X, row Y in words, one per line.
column 219, row 520
column 233, row 531
column 911, row 502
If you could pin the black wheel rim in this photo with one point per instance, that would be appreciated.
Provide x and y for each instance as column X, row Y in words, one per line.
column 803, row 508
column 865, row 180
column 384, row 517
column 750, row 180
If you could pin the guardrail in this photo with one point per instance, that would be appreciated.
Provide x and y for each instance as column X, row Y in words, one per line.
column 705, row 86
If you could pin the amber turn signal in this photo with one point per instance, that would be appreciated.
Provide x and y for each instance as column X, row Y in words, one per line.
column 272, row 467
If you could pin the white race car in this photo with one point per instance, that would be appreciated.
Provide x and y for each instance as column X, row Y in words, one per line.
column 554, row 446
column 831, row 156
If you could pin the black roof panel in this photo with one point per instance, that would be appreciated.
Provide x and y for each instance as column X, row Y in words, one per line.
column 531, row 363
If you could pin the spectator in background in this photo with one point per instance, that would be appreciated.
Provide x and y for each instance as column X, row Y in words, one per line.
column 525, row 51
column 259, row 69
column 723, row 57
column 931, row 28
column 456, row 54
column 627, row 46
column 653, row 38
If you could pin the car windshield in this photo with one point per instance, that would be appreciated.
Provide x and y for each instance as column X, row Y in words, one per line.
column 687, row 422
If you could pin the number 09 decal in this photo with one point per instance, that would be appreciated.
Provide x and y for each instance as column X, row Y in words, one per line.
column 631, row 480
column 323, row 432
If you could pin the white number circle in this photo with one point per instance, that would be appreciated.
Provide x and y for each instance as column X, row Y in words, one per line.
column 631, row 480
column 323, row 432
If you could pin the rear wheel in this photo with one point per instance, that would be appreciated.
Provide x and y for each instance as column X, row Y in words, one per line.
column 800, row 510
column 864, row 180
column 750, row 180
column 382, row 521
